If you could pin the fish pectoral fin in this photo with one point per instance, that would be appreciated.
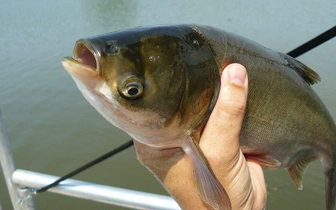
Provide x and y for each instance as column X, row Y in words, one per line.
column 265, row 161
column 297, row 170
column 209, row 188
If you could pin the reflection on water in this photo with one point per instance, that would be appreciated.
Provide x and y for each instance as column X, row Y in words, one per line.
column 54, row 130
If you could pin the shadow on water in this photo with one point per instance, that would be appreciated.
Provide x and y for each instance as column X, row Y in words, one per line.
column 110, row 15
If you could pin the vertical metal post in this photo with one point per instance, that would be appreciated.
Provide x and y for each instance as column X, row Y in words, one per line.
column 19, row 197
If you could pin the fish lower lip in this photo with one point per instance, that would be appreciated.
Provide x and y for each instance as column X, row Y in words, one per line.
column 84, row 55
column 73, row 65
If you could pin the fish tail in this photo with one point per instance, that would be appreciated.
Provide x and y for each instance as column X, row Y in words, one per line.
column 330, row 186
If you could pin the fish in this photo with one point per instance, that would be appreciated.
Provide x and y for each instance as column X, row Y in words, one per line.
column 160, row 84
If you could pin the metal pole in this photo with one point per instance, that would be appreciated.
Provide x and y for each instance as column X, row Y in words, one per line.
column 96, row 192
column 19, row 197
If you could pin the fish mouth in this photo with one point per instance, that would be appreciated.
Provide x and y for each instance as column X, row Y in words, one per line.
column 85, row 54
column 85, row 57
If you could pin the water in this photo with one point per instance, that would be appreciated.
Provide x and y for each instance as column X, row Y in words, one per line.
column 54, row 130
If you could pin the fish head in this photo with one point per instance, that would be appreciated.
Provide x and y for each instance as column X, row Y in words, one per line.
column 152, row 82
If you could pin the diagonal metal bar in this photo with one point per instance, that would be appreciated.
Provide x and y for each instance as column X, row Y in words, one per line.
column 8, row 167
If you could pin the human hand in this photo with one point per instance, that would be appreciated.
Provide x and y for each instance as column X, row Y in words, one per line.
column 243, row 180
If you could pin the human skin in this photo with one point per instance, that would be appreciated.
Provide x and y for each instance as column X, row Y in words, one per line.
column 242, row 179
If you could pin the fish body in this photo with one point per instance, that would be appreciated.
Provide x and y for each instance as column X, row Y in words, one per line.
column 159, row 84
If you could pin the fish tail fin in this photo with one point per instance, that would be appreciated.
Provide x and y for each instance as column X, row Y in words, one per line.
column 330, row 187
column 209, row 188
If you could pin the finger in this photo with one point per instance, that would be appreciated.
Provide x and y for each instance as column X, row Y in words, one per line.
column 220, row 138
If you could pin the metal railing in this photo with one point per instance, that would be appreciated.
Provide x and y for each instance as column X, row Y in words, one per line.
column 21, row 185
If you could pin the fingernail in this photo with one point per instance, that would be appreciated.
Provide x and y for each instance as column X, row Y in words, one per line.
column 237, row 75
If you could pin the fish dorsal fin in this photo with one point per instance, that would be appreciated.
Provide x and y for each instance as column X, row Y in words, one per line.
column 307, row 74
column 209, row 188
column 297, row 170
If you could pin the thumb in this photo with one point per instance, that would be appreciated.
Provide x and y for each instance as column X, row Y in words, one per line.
column 220, row 138
column 243, row 181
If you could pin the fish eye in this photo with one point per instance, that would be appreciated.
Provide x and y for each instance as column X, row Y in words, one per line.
column 132, row 89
